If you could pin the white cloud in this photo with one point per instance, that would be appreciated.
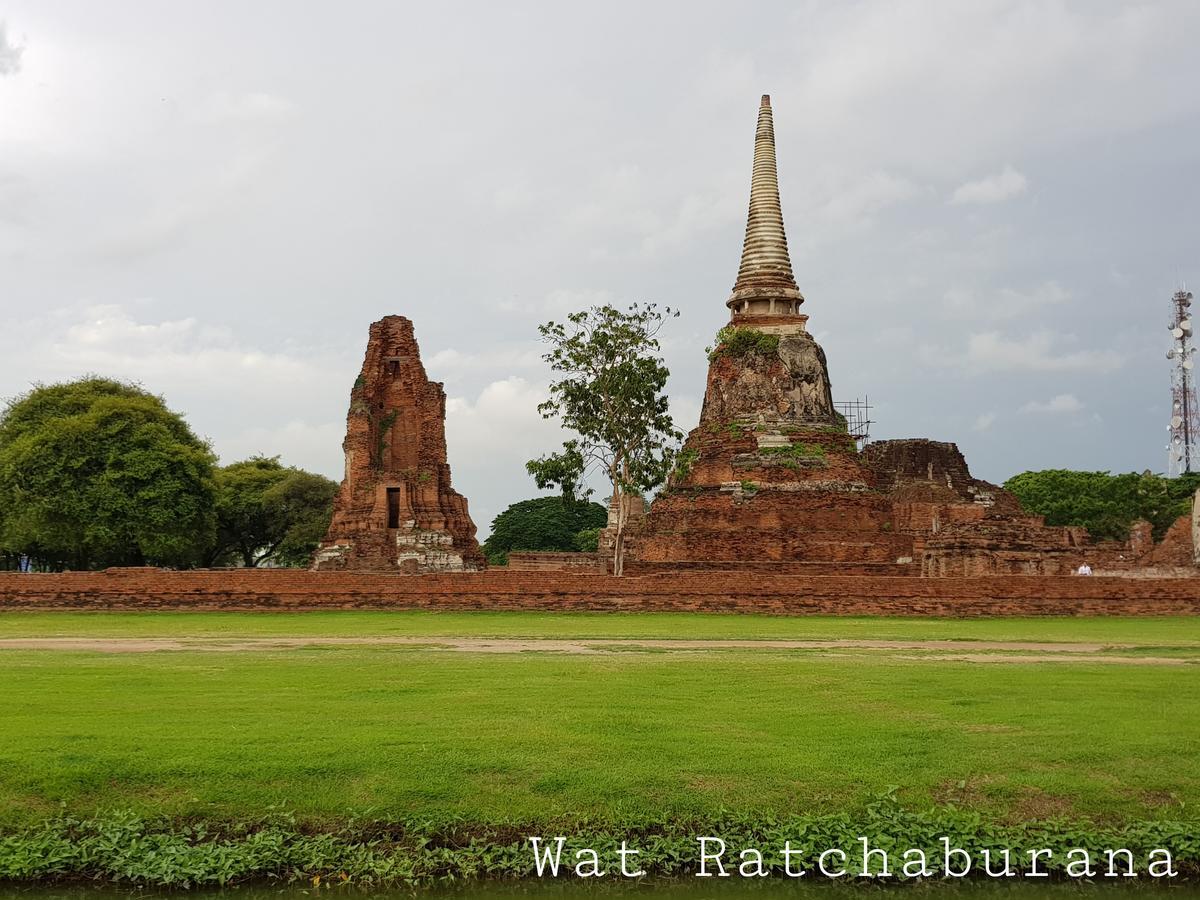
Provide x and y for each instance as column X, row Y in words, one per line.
column 992, row 189
column 860, row 202
column 108, row 339
column 10, row 53
column 694, row 215
column 489, row 439
column 1060, row 403
column 450, row 363
column 255, row 106
column 1039, row 352
column 685, row 411
column 308, row 445
column 246, row 398
column 557, row 302
column 183, row 208
column 984, row 421
column 1003, row 303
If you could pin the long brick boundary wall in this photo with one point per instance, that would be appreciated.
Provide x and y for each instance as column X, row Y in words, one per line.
column 1014, row 595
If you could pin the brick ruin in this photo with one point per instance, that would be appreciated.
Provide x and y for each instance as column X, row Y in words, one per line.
column 772, row 507
column 498, row 589
column 771, row 475
column 396, row 510
column 769, row 482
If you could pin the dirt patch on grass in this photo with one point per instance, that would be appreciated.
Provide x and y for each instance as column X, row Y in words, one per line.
column 970, row 793
column 1034, row 805
column 1027, row 658
column 920, row 651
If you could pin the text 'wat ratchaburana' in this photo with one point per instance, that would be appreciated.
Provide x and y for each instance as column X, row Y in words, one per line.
column 396, row 510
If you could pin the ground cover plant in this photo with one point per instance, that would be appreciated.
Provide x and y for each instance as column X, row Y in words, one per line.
column 132, row 851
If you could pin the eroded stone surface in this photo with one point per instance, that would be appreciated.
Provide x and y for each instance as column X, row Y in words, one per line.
column 396, row 510
column 789, row 386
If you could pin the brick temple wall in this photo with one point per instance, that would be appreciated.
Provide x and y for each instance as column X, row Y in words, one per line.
column 142, row 589
column 550, row 561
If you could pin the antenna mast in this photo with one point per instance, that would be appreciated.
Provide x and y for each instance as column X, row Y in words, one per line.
column 1182, row 453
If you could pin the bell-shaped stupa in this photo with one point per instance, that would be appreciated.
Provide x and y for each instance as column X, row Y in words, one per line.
column 771, row 473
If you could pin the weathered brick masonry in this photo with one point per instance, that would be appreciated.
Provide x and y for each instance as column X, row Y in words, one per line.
column 142, row 589
column 396, row 510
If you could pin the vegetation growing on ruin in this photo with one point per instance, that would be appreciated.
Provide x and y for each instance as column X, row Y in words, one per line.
column 1106, row 504
column 416, row 476
column 795, row 456
column 738, row 341
column 735, row 430
column 684, row 461
column 381, row 427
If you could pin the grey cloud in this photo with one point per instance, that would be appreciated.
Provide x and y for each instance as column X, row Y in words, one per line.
column 992, row 188
column 481, row 175
column 10, row 53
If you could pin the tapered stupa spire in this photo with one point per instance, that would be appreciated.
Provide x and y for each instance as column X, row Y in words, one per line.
column 765, row 284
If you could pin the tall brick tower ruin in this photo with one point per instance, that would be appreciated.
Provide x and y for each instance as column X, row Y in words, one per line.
column 396, row 510
column 771, row 472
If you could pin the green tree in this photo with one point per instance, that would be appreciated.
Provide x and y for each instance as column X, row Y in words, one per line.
column 1106, row 504
column 97, row 472
column 611, row 396
column 544, row 523
column 269, row 512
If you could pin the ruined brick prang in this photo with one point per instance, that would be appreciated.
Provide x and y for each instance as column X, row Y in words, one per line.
column 396, row 510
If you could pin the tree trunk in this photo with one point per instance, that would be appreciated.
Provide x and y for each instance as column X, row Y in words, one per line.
column 619, row 540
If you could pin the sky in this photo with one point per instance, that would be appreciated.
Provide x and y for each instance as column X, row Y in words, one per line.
column 988, row 205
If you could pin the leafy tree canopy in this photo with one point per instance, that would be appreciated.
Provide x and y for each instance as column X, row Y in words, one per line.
column 1106, row 504
column 610, row 394
column 97, row 472
column 545, row 523
column 269, row 512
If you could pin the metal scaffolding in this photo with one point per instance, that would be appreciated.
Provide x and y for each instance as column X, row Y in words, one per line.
column 858, row 419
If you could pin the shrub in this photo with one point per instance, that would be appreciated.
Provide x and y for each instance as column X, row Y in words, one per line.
column 739, row 341
column 795, row 456
column 588, row 540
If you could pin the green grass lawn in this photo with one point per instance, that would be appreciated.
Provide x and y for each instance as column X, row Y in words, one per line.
column 1154, row 631
column 401, row 732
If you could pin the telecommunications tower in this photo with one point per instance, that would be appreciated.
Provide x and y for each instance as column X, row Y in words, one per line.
column 1182, row 453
